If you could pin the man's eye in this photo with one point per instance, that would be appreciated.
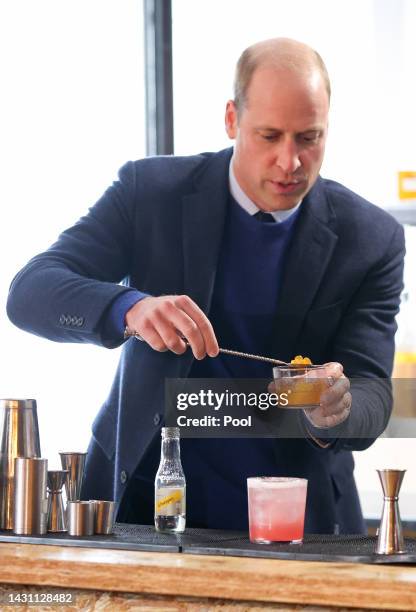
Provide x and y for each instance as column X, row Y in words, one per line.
column 310, row 137
column 269, row 137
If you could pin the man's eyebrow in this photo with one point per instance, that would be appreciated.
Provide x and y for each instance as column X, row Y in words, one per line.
column 316, row 128
column 267, row 128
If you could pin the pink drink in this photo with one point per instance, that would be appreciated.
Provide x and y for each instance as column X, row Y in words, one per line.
column 276, row 509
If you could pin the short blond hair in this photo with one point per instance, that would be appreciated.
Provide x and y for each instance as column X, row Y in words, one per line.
column 279, row 52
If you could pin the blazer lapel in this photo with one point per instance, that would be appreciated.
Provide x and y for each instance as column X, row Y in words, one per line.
column 203, row 220
column 310, row 251
column 308, row 256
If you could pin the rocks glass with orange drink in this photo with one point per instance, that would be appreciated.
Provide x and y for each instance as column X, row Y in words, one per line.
column 303, row 382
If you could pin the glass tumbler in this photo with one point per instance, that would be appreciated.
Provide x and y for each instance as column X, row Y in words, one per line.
column 303, row 384
column 276, row 509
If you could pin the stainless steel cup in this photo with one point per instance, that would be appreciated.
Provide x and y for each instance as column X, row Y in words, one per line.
column 19, row 437
column 104, row 516
column 80, row 518
column 30, row 501
column 75, row 464
column 56, row 512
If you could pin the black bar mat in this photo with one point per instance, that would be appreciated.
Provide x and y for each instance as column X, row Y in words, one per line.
column 337, row 548
column 125, row 537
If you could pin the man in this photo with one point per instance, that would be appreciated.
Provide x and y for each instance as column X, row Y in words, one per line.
column 319, row 274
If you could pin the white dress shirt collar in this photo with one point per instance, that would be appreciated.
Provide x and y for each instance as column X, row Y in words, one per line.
column 244, row 201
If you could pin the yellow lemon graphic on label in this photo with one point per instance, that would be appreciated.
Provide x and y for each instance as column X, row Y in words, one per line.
column 174, row 497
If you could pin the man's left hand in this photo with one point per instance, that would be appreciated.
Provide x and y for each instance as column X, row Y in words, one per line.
column 335, row 403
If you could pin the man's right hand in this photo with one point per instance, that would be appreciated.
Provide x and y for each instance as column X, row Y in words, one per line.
column 161, row 321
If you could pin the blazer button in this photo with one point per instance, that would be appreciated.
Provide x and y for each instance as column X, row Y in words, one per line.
column 123, row 476
column 156, row 419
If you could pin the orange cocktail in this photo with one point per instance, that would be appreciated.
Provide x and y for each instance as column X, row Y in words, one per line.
column 276, row 509
column 303, row 384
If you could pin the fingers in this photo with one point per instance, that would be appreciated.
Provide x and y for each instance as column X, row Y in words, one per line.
column 150, row 335
column 332, row 399
column 174, row 325
column 333, row 369
column 271, row 387
column 318, row 419
column 335, row 401
column 203, row 328
column 162, row 322
column 335, row 406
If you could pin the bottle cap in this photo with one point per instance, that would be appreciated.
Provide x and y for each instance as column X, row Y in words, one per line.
column 170, row 432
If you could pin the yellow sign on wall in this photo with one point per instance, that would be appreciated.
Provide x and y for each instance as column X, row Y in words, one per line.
column 407, row 185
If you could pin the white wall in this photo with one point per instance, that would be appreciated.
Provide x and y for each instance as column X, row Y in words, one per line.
column 72, row 112
column 386, row 453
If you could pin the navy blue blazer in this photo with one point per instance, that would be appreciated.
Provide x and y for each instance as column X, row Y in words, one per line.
column 159, row 229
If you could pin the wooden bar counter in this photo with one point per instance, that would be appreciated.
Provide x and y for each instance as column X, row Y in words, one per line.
column 102, row 579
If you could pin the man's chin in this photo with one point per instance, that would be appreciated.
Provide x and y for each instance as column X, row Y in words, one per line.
column 283, row 203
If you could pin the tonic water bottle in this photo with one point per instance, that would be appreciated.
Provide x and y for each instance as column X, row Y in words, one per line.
column 170, row 486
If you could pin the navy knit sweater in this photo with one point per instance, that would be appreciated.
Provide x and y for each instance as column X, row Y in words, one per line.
column 242, row 312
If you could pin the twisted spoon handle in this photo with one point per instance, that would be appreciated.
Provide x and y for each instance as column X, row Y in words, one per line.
column 129, row 333
column 251, row 356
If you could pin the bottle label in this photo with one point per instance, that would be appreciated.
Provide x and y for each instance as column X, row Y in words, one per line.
column 170, row 501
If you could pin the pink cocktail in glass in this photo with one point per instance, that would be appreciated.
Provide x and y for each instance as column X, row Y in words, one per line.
column 276, row 509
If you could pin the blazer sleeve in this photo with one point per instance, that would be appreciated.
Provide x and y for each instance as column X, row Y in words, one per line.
column 64, row 293
column 364, row 344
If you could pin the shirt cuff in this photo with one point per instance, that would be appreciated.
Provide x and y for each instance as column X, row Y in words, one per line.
column 114, row 319
column 324, row 438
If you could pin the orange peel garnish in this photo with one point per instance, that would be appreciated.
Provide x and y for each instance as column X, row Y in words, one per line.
column 299, row 360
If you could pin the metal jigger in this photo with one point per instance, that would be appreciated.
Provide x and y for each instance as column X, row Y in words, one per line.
column 75, row 464
column 56, row 512
column 390, row 536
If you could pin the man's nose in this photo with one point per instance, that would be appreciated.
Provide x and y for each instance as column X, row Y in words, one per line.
column 287, row 157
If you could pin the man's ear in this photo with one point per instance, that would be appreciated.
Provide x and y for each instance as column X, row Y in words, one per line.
column 231, row 119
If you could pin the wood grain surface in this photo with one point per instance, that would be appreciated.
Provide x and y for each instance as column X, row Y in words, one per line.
column 359, row 586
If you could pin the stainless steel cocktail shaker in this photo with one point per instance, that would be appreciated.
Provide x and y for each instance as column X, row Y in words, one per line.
column 19, row 437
